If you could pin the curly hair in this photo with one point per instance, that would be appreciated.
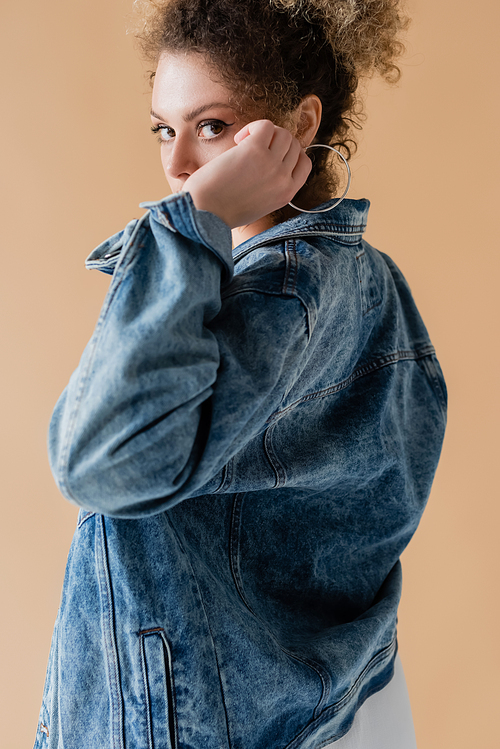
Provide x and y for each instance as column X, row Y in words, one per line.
column 273, row 53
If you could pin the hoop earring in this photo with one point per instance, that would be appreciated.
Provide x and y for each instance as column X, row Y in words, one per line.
column 323, row 210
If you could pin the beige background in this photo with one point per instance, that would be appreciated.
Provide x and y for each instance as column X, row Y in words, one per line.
column 77, row 158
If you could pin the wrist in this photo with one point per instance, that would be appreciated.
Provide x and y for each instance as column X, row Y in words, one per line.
column 203, row 200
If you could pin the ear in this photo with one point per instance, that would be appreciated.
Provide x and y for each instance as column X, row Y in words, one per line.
column 308, row 119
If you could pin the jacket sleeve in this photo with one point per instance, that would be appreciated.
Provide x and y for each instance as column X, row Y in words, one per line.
column 168, row 388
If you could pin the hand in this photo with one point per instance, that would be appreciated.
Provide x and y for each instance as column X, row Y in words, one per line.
column 259, row 175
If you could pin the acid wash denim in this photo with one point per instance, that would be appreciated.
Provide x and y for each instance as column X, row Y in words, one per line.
column 252, row 438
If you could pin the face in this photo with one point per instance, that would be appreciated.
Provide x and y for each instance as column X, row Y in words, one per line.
column 192, row 114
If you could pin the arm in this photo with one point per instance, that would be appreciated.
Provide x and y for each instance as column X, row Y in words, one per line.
column 137, row 428
column 160, row 401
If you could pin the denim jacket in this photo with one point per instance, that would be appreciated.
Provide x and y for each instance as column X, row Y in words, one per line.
column 251, row 437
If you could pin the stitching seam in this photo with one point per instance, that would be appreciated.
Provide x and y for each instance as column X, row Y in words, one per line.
column 383, row 361
column 207, row 621
column 116, row 701
column 277, row 466
column 235, row 571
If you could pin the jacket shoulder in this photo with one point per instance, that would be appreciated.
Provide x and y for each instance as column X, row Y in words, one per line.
column 318, row 270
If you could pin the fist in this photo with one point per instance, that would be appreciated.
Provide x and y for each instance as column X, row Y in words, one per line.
column 259, row 175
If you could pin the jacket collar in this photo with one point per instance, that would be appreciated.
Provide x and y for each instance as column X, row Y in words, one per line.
column 348, row 218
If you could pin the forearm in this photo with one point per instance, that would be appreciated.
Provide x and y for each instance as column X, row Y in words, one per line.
column 150, row 364
column 170, row 386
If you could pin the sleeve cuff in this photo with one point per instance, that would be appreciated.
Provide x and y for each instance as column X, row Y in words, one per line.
column 178, row 214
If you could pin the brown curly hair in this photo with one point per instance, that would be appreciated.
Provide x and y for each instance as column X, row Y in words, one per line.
column 273, row 53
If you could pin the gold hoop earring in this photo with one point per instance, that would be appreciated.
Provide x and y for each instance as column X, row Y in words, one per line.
column 323, row 210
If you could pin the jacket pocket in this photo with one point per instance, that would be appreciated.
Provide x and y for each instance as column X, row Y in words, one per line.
column 156, row 665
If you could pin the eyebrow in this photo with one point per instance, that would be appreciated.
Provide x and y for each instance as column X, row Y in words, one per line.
column 199, row 110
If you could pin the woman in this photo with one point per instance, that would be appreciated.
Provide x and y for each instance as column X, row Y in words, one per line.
column 251, row 434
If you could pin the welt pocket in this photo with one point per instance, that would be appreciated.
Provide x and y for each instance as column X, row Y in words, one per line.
column 156, row 665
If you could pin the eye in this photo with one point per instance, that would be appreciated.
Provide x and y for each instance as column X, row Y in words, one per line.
column 166, row 133
column 212, row 128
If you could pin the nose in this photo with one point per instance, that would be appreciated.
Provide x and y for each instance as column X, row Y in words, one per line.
column 179, row 159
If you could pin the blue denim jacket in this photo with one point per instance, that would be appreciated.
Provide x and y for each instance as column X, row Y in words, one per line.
column 252, row 438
